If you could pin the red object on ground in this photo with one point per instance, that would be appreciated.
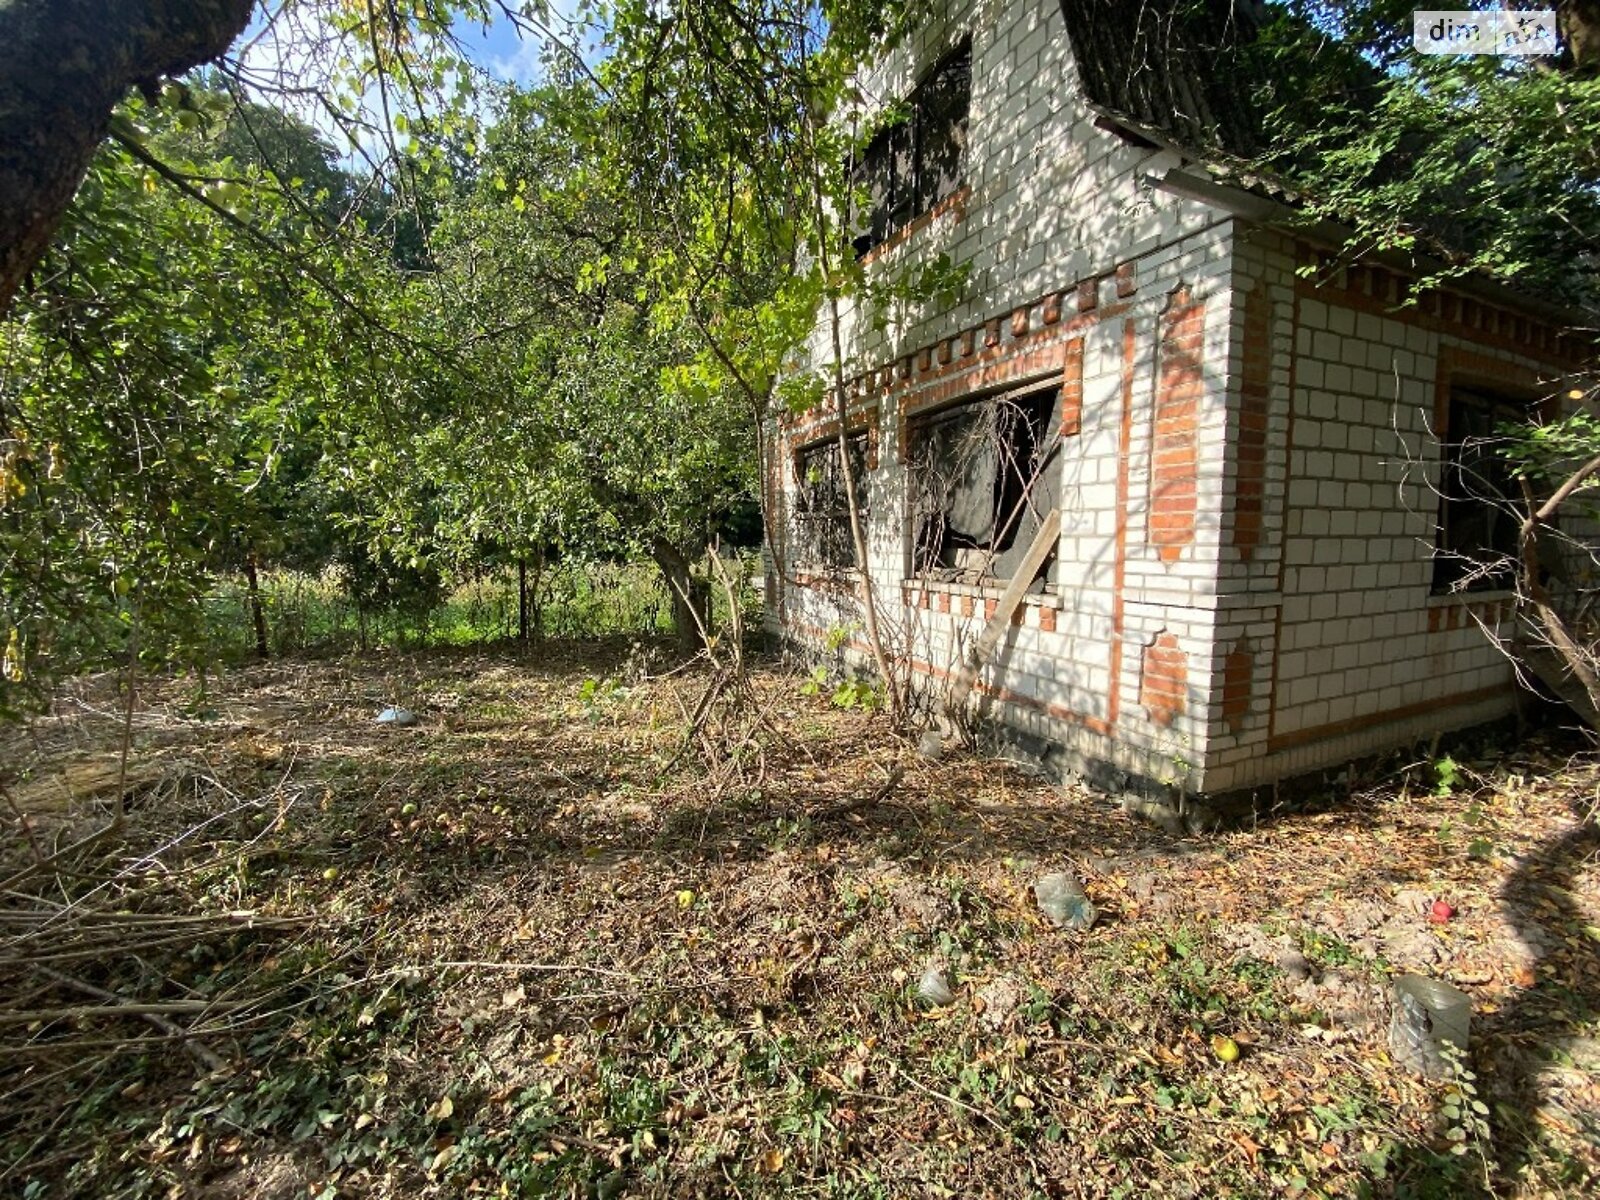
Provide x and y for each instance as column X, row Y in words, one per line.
column 1441, row 912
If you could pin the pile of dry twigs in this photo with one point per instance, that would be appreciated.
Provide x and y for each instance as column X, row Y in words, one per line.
column 117, row 935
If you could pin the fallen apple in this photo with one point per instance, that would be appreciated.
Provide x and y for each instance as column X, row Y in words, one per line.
column 1225, row 1048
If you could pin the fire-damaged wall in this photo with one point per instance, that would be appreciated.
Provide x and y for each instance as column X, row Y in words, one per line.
column 1093, row 320
column 1245, row 460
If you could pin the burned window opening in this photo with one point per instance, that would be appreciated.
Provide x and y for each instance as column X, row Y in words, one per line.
column 823, row 537
column 911, row 166
column 973, row 511
column 1478, row 522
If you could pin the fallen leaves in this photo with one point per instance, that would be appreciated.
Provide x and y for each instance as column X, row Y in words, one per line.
column 720, row 982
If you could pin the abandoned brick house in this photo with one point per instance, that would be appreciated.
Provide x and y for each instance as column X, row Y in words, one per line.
column 1245, row 459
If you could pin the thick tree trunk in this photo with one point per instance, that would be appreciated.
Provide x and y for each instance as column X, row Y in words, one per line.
column 535, row 609
column 63, row 65
column 691, row 597
column 1579, row 21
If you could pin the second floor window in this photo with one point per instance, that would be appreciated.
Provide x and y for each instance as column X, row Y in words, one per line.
column 913, row 164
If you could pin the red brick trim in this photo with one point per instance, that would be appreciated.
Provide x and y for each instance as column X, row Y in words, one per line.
column 1072, row 389
column 1238, row 673
column 937, row 596
column 932, row 366
column 1164, row 679
column 841, row 581
column 955, row 202
column 1378, row 290
column 1120, row 554
column 1174, row 450
column 1451, row 612
column 1457, row 364
column 1301, row 737
column 1036, row 355
column 801, row 437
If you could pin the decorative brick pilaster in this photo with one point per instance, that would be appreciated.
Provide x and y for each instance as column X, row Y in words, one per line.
column 1175, row 464
column 1237, row 674
column 1164, row 679
column 1250, row 439
column 1072, row 390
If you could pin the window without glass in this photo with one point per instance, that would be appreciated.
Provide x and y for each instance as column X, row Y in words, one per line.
column 822, row 511
column 974, row 512
column 1477, row 537
column 912, row 165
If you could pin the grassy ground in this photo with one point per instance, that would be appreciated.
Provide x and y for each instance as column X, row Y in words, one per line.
column 314, row 614
column 528, row 948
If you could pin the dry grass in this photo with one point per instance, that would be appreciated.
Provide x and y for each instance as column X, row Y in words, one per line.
column 529, row 948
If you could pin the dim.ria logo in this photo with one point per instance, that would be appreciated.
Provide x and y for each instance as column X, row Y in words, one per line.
column 1528, row 32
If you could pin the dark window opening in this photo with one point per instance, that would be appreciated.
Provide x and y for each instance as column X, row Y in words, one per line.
column 1478, row 522
column 823, row 537
column 974, row 513
column 911, row 166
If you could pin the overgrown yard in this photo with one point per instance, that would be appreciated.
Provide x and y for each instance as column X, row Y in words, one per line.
column 529, row 948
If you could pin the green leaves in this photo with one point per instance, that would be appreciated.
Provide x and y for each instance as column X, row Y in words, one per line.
column 170, row 361
column 1469, row 164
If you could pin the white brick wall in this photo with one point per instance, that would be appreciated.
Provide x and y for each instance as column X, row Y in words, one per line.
column 1323, row 641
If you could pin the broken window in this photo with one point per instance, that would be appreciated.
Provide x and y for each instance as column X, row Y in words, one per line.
column 1478, row 523
column 979, row 484
column 912, row 165
column 823, row 536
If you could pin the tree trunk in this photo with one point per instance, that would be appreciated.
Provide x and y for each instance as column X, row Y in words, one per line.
column 64, row 64
column 522, row 598
column 691, row 598
column 1579, row 22
column 258, row 615
column 535, row 611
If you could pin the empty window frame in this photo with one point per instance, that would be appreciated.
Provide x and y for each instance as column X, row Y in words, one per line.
column 910, row 166
column 973, row 510
column 823, row 537
column 1478, row 522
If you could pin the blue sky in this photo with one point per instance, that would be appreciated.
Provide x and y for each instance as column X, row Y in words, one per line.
column 504, row 53
column 300, row 48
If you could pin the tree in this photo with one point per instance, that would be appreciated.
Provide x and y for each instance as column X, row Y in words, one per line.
column 1467, row 164
column 64, row 66
column 564, row 421
column 162, row 382
column 739, row 148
